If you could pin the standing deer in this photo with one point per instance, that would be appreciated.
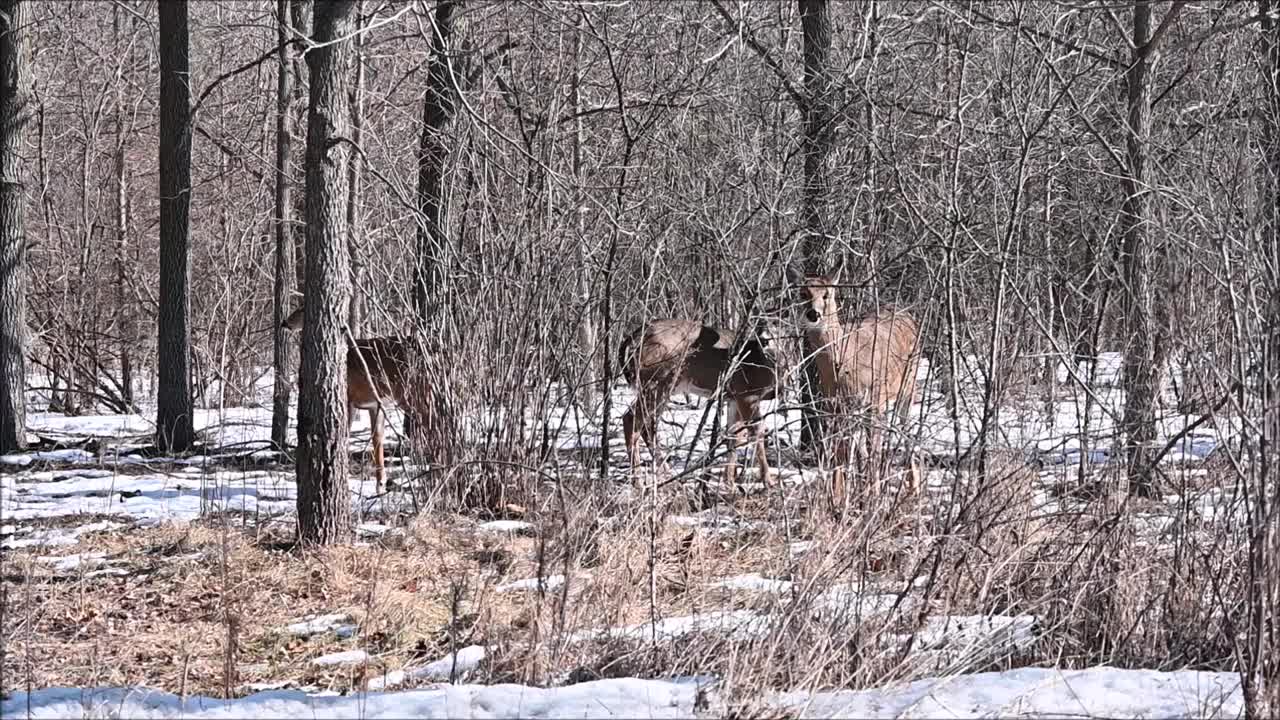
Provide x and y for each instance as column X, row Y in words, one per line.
column 670, row 355
column 864, row 369
column 380, row 369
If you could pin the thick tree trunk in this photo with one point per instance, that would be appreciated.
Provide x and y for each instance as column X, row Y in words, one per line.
column 125, row 327
column 815, row 24
column 14, row 114
column 174, row 429
column 1142, row 366
column 437, row 106
column 323, row 498
column 282, row 355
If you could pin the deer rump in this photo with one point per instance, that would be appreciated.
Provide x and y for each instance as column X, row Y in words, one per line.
column 671, row 355
column 691, row 357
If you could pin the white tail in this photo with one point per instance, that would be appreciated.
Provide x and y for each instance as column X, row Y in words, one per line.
column 670, row 355
column 864, row 369
column 381, row 369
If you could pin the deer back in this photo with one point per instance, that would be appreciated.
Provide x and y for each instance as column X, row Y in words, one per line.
column 695, row 357
column 877, row 358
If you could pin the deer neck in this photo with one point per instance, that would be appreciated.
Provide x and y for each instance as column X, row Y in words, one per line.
column 825, row 344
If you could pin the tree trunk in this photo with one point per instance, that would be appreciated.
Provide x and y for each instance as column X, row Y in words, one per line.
column 437, row 106
column 1145, row 334
column 174, row 429
column 586, row 334
column 125, row 326
column 355, row 318
column 14, row 113
column 282, row 355
column 323, row 502
column 301, row 24
column 815, row 23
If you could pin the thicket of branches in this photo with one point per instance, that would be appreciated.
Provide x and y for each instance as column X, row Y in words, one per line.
column 1038, row 182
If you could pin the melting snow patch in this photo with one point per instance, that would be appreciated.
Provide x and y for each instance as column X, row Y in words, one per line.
column 68, row 563
column 549, row 583
column 317, row 625
column 615, row 698
column 737, row 623
column 1036, row 693
column 454, row 665
column 507, row 526
column 347, row 657
column 755, row 582
column 54, row 537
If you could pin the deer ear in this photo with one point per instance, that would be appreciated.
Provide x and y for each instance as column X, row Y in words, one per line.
column 837, row 272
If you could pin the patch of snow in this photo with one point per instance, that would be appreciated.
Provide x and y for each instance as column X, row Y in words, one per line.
column 346, row 657
column 551, row 582
column 454, row 665
column 68, row 563
column 754, row 582
column 1036, row 693
column 615, row 698
column 507, row 526
column 54, row 537
column 737, row 623
column 317, row 625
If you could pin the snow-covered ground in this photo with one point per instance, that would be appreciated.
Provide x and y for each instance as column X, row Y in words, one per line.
column 50, row 501
column 1026, row 693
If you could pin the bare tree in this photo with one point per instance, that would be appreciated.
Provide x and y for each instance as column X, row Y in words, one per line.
column 437, row 106
column 281, row 353
column 14, row 113
column 355, row 177
column 1145, row 336
column 323, row 502
column 174, row 424
column 819, row 116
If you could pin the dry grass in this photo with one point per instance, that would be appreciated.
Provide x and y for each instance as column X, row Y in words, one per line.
column 202, row 608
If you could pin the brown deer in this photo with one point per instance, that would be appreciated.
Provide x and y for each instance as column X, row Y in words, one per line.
column 864, row 369
column 671, row 355
column 381, row 369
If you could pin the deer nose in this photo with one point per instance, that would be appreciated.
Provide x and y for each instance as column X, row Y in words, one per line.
column 812, row 315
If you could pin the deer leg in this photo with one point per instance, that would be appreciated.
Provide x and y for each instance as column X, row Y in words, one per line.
column 629, row 435
column 379, row 465
column 751, row 411
column 841, row 459
column 733, row 440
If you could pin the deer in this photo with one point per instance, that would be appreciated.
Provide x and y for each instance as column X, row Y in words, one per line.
column 865, row 370
column 672, row 355
column 380, row 369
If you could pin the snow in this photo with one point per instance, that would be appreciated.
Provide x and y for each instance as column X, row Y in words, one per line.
column 134, row 490
column 1037, row 693
column 346, row 657
column 339, row 623
column 549, row 583
column 1025, row 693
column 454, row 665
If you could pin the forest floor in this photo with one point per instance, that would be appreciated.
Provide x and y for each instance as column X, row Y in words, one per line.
column 623, row 595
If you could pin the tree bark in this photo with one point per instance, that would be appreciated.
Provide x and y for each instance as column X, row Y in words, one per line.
column 125, row 327
column 815, row 24
column 14, row 114
column 586, row 331
column 1145, row 335
column 323, row 498
column 437, row 107
column 355, row 317
column 174, row 429
column 301, row 24
column 282, row 355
